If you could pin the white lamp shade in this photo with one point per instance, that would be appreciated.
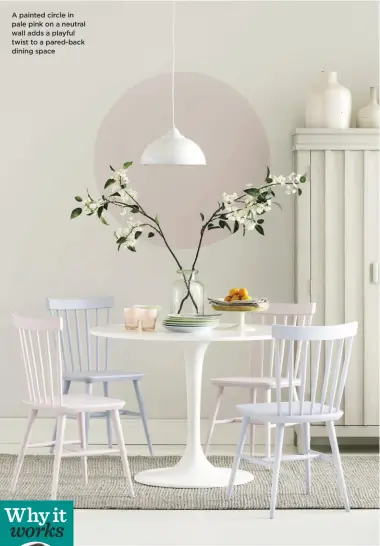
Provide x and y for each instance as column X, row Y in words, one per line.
column 173, row 149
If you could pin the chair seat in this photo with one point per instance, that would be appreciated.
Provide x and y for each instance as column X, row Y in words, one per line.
column 259, row 382
column 268, row 413
column 92, row 376
column 75, row 403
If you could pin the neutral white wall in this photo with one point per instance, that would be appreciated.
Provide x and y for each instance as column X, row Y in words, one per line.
column 271, row 52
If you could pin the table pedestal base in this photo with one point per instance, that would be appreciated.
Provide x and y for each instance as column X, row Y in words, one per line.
column 193, row 470
column 199, row 474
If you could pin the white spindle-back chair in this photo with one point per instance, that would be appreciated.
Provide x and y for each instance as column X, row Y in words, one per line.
column 320, row 395
column 85, row 357
column 41, row 352
column 262, row 377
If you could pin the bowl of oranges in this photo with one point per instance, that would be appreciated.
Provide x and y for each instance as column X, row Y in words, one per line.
column 238, row 299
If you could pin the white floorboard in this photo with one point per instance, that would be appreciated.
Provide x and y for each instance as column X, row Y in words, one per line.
column 290, row 527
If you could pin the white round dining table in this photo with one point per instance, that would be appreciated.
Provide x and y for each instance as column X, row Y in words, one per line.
column 193, row 470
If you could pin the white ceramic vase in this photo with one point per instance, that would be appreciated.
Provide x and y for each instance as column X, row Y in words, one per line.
column 369, row 116
column 329, row 104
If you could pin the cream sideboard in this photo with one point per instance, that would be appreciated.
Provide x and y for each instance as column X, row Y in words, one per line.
column 338, row 255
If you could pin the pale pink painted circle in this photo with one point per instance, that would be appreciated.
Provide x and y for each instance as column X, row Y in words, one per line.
column 210, row 112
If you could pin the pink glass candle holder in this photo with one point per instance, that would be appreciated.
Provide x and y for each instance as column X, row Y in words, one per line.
column 149, row 319
column 132, row 318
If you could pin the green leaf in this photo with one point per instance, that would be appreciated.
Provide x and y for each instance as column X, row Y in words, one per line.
column 100, row 210
column 211, row 226
column 138, row 234
column 270, row 180
column 116, row 194
column 299, row 191
column 223, row 224
column 109, row 182
column 78, row 198
column 236, row 226
column 260, row 221
column 156, row 220
column 121, row 240
column 104, row 221
column 150, row 234
column 303, row 179
column 252, row 191
column 112, row 169
column 127, row 164
column 202, row 217
column 76, row 212
column 259, row 229
column 135, row 209
column 244, row 230
column 131, row 248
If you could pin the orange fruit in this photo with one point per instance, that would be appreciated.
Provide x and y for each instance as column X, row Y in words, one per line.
column 243, row 292
column 245, row 298
column 227, row 298
column 235, row 298
column 233, row 291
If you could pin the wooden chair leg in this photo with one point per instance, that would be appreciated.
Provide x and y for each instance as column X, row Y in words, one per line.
column 268, row 429
column 88, row 416
column 65, row 390
column 61, row 424
column 305, row 430
column 20, row 459
column 280, row 429
column 338, row 463
column 220, row 390
column 252, row 431
column 140, row 401
column 83, row 442
column 108, row 417
column 123, row 452
column 239, row 451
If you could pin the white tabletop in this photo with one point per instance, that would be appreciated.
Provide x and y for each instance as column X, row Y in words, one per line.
column 250, row 333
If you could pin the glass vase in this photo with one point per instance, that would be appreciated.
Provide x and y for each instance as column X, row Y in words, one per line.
column 187, row 295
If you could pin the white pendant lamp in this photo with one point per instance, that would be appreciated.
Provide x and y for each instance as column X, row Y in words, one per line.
column 173, row 148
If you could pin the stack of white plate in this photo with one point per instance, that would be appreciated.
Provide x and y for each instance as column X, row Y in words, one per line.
column 187, row 324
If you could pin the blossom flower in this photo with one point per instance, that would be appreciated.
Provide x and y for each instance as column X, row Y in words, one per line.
column 120, row 176
column 91, row 206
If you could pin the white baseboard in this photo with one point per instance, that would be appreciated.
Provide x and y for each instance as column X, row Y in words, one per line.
column 163, row 431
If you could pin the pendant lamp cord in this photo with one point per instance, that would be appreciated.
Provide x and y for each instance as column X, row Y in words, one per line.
column 173, row 62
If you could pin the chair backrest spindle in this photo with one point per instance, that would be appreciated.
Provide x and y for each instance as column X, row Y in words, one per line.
column 83, row 351
column 338, row 340
column 42, row 358
column 280, row 313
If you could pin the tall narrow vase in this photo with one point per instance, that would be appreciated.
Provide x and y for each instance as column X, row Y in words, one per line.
column 329, row 104
column 187, row 293
column 369, row 116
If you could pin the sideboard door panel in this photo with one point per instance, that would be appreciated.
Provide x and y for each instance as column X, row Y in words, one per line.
column 338, row 255
column 354, row 282
column 371, row 287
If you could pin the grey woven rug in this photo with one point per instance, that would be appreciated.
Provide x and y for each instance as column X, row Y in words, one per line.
column 107, row 490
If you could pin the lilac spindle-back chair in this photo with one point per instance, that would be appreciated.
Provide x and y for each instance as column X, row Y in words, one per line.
column 41, row 351
column 302, row 347
column 263, row 379
column 85, row 357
